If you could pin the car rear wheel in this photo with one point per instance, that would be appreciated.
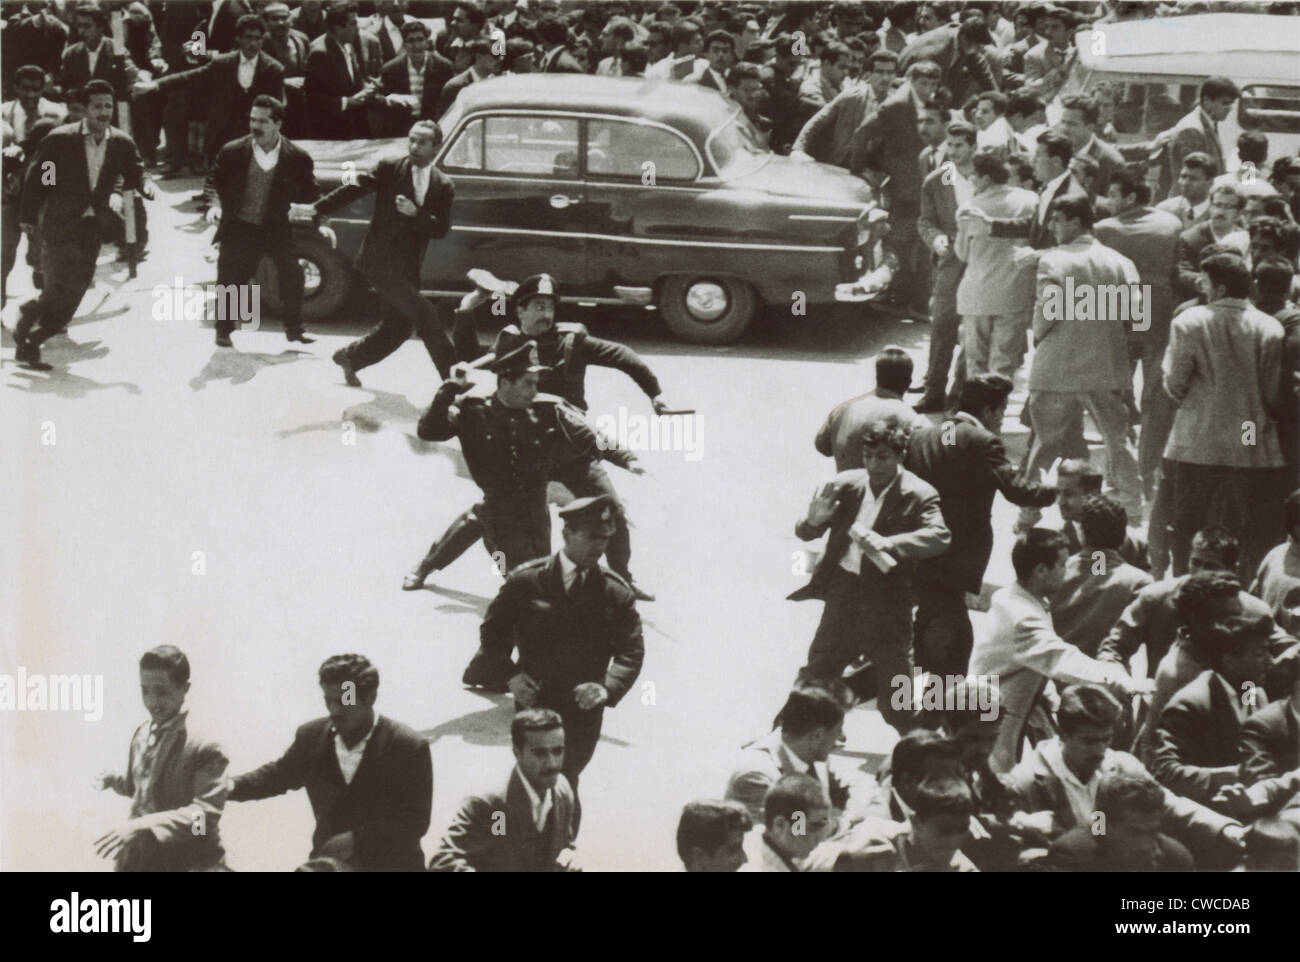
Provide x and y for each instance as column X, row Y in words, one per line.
column 707, row 310
column 327, row 280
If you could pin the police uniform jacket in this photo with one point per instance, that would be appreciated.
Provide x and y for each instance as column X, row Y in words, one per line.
column 567, row 349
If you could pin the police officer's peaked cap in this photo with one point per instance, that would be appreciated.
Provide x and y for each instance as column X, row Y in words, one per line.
column 521, row 360
column 590, row 513
column 539, row 285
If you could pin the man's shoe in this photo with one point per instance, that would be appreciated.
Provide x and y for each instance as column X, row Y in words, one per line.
column 223, row 340
column 28, row 355
column 349, row 372
column 414, row 580
column 300, row 337
column 640, row 593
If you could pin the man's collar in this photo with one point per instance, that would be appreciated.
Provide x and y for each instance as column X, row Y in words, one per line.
column 171, row 723
column 86, row 132
column 374, row 723
column 528, row 787
column 799, row 765
column 273, row 148
column 1056, row 181
column 567, row 565
column 253, row 59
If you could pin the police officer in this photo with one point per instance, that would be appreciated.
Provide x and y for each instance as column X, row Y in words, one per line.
column 567, row 349
column 577, row 630
column 511, row 442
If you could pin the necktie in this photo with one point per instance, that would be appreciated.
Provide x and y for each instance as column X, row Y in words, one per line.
column 579, row 578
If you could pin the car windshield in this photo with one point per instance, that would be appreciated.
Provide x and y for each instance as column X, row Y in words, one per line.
column 735, row 148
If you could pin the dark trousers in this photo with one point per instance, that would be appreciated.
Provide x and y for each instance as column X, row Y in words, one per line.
column 581, row 731
column 944, row 636
column 515, row 528
column 10, row 235
column 1157, row 407
column 146, row 122
column 176, row 126
column 402, row 310
column 69, row 269
column 904, row 243
column 243, row 246
column 1245, row 501
column 864, row 617
column 945, row 329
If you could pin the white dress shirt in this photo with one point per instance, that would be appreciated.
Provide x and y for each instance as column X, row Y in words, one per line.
column 394, row 36
column 570, row 570
column 267, row 159
column 1080, row 795
column 350, row 758
column 853, row 555
column 96, row 152
column 247, row 68
column 1049, row 189
column 93, row 55
column 819, row 772
column 420, row 179
column 541, row 806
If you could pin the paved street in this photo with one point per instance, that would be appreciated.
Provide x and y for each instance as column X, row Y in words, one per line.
column 250, row 508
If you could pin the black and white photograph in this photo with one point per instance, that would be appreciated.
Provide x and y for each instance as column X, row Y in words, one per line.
column 616, row 436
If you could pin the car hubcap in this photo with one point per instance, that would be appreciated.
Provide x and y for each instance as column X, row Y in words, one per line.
column 310, row 277
column 706, row 300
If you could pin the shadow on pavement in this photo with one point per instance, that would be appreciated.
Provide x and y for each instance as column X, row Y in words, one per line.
column 239, row 367
column 489, row 726
column 62, row 352
column 368, row 417
column 468, row 603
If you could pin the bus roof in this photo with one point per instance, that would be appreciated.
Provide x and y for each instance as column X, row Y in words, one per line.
column 1247, row 47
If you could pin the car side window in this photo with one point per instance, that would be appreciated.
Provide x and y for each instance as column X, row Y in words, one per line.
column 546, row 146
column 618, row 149
column 467, row 152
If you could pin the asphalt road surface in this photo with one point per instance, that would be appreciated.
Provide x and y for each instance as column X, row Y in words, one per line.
column 250, row 508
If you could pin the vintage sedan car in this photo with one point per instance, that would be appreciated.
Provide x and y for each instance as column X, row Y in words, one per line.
column 629, row 191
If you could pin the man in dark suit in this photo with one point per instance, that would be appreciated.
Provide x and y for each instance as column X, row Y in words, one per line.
column 1198, row 733
column 577, row 630
column 412, row 207
column 1198, row 131
column 483, row 65
column 38, row 38
column 882, row 519
column 338, row 87
column 221, row 27
column 94, row 58
column 74, row 214
column 232, row 81
column 719, row 54
column 840, row 435
column 387, row 27
column 555, row 57
column 828, row 135
column 1220, row 226
column 1270, row 751
column 963, row 53
column 369, row 778
column 964, row 460
column 889, row 143
column 1079, row 115
column 412, row 82
column 264, row 183
column 529, row 823
column 289, row 48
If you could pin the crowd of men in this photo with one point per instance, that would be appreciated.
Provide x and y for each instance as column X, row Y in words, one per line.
column 1131, row 702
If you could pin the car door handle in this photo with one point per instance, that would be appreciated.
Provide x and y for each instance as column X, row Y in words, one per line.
column 561, row 201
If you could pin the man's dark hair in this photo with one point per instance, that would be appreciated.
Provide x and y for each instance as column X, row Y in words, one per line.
column 809, row 707
column 1232, row 635
column 984, row 391
column 634, row 57
column 553, row 32
column 170, row 659
column 996, row 98
column 792, row 794
column 1037, row 546
column 1104, row 523
column 919, row 755
column 1022, row 167
column 533, row 720
column 96, row 87
column 683, row 33
column 1057, row 145
column 705, row 824
column 882, row 57
column 1024, row 105
column 1229, row 272
column 622, row 28
column 1272, row 229
column 832, row 52
column 1200, row 598
column 1087, row 706
column 1222, row 542
column 29, row 71
column 475, row 14
column 937, row 797
column 412, row 27
column 1217, row 88
column 249, row 21
column 888, row 432
column 1086, row 106
column 357, row 669
column 336, row 15
column 743, row 71
column 270, row 103
column 990, row 163
column 1073, row 207
column 720, row 36
column 959, row 128
column 1202, row 162
column 517, row 48
column 1252, row 147
column 1273, row 276
column 481, row 47
column 95, row 12
column 1121, row 793
column 894, row 369
column 974, row 28
column 1131, row 180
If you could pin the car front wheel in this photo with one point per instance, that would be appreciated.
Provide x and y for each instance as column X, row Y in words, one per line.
column 327, row 280
column 707, row 310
